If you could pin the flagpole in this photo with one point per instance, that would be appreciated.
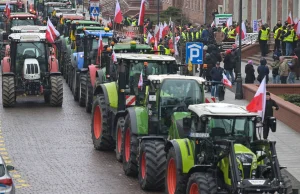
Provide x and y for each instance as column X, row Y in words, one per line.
column 239, row 81
column 158, row 12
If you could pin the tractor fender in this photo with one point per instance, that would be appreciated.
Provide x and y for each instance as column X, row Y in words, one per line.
column 6, row 64
column 92, row 70
column 100, row 77
column 8, row 74
column 118, row 115
column 53, row 64
column 109, row 90
column 102, row 91
column 139, row 119
column 199, row 168
column 55, row 73
column 184, row 153
column 152, row 137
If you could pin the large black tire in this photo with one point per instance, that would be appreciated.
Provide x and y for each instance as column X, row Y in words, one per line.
column 119, row 136
column 89, row 94
column 178, row 184
column 130, row 150
column 56, row 97
column 74, row 86
column 66, row 62
column 287, row 182
column 203, row 183
column 8, row 91
column 99, row 126
column 82, row 88
column 152, row 165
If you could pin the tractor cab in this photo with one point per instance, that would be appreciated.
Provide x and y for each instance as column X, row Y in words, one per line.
column 225, row 147
column 50, row 6
column 15, row 6
column 64, row 20
column 22, row 19
column 131, row 47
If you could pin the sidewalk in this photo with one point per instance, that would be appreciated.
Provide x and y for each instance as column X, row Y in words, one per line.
column 287, row 142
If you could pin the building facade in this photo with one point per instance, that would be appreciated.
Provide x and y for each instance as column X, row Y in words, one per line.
column 200, row 11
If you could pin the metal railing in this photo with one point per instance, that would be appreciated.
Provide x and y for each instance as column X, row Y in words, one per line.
column 251, row 38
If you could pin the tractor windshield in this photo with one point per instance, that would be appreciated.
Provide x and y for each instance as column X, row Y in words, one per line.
column 230, row 127
column 13, row 8
column 26, row 50
column 96, row 42
column 20, row 22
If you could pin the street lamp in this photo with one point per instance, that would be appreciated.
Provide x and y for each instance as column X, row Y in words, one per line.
column 158, row 12
column 239, row 81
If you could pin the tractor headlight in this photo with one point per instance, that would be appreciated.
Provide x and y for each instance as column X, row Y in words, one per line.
column 253, row 173
column 254, row 165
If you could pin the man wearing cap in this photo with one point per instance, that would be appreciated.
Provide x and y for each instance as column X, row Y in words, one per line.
column 271, row 105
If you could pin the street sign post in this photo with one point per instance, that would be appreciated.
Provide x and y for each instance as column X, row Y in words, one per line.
column 194, row 52
column 94, row 8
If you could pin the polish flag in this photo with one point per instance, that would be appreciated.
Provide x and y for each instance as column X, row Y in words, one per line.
column 244, row 31
column 298, row 28
column 140, row 84
column 155, row 48
column 100, row 49
column 114, row 57
column 156, row 32
column 296, row 20
column 212, row 24
column 290, row 18
column 7, row 9
column 226, row 81
column 51, row 32
column 118, row 13
column 161, row 29
column 166, row 30
column 258, row 103
column 176, row 43
column 142, row 13
column 229, row 22
column 149, row 38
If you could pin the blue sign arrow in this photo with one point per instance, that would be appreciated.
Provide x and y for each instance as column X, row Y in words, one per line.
column 194, row 52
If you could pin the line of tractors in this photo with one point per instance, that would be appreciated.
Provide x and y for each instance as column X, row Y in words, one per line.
column 154, row 119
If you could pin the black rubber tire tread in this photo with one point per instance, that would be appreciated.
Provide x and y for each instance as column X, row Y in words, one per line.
column 66, row 63
column 287, row 182
column 205, row 181
column 89, row 94
column 8, row 91
column 56, row 98
column 120, row 124
column 155, row 156
column 82, row 88
column 74, row 84
column 105, row 142
column 130, row 167
column 181, row 178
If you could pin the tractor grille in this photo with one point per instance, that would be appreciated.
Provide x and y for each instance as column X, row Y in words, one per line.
column 246, row 160
column 32, row 69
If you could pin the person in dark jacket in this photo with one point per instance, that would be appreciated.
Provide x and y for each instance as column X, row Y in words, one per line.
column 216, row 76
column 297, row 53
column 228, row 66
column 263, row 71
column 249, row 71
column 271, row 105
column 207, row 67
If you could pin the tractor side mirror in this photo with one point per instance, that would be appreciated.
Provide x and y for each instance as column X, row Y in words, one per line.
column 271, row 122
column 187, row 123
column 10, row 168
column 73, row 45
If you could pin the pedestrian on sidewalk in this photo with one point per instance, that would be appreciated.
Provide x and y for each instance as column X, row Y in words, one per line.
column 277, row 37
column 271, row 105
column 275, row 70
column 283, row 69
column 229, row 65
column 292, row 72
column 288, row 37
column 263, row 71
column 216, row 76
column 249, row 71
column 263, row 37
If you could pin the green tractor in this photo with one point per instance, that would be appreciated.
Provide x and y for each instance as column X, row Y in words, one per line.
column 112, row 98
column 219, row 151
column 143, row 130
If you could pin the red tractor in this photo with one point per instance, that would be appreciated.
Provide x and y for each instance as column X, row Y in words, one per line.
column 31, row 69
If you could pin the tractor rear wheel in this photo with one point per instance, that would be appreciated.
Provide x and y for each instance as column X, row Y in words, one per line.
column 119, row 137
column 152, row 163
column 56, row 98
column 101, row 140
column 82, row 88
column 175, row 181
column 203, row 183
column 8, row 91
column 89, row 94
column 130, row 149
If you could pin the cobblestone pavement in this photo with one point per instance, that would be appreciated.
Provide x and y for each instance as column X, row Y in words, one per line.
column 52, row 151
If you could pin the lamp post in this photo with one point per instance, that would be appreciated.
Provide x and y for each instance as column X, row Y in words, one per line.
column 239, row 81
column 158, row 12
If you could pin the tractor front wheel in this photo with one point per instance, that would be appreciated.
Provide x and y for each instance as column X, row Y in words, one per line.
column 130, row 149
column 101, row 140
column 82, row 88
column 152, row 163
column 203, row 183
column 8, row 91
column 119, row 137
column 89, row 94
column 56, row 98
column 175, row 181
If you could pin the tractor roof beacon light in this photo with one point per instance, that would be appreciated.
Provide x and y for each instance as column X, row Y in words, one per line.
column 106, row 29
column 133, row 45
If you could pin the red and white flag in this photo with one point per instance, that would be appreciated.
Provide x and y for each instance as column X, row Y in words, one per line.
column 166, row 30
column 118, row 14
column 244, row 30
column 229, row 22
column 155, row 47
column 114, row 57
column 140, row 84
column 149, row 38
column 100, row 49
column 298, row 28
column 258, row 103
column 7, row 9
column 226, row 81
column 161, row 29
column 51, row 32
column 290, row 18
column 156, row 31
column 142, row 13
column 212, row 24
column 296, row 20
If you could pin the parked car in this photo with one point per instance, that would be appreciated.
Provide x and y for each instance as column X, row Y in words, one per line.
column 6, row 182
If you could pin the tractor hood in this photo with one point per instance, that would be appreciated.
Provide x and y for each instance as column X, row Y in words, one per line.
column 245, row 155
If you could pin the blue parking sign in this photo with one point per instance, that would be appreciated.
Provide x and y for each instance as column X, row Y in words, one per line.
column 194, row 52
